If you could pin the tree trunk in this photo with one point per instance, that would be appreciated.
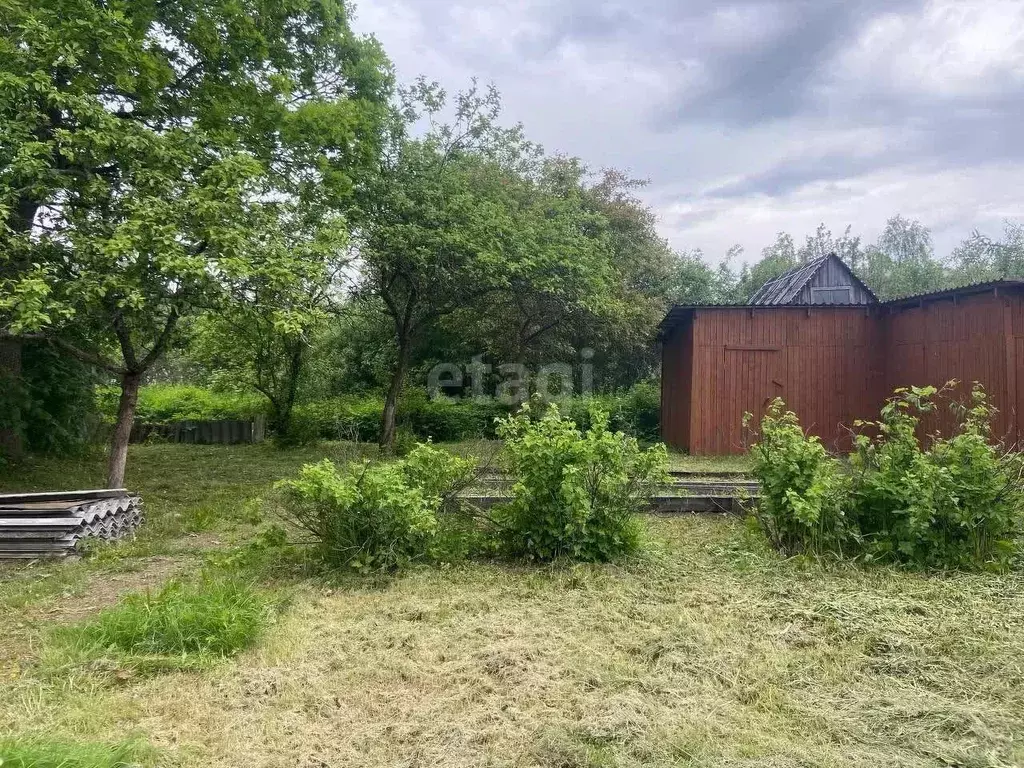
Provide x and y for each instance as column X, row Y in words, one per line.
column 387, row 424
column 130, row 383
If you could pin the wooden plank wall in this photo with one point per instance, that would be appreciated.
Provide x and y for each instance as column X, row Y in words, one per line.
column 971, row 338
column 824, row 362
column 677, row 357
column 830, row 275
column 837, row 364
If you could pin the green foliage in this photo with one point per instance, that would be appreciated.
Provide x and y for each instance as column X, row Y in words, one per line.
column 167, row 403
column 800, row 510
column 52, row 403
column 184, row 156
column 576, row 493
column 636, row 411
column 357, row 417
column 377, row 517
column 955, row 503
column 184, row 624
column 43, row 752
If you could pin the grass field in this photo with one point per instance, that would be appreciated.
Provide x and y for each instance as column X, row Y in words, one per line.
column 710, row 651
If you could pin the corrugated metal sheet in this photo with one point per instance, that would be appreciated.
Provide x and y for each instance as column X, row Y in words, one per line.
column 823, row 281
column 51, row 524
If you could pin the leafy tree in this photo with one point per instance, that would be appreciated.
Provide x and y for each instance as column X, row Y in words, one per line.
column 980, row 258
column 692, row 281
column 261, row 337
column 462, row 216
column 847, row 247
column 902, row 262
column 776, row 259
column 142, row 146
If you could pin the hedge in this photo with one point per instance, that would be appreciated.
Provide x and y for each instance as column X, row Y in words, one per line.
column 168, row 403
column 353, row 417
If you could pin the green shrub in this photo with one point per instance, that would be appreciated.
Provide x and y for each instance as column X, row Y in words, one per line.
column 953, row 504
column 42, row 752
column 576, row 494
column 447, row 420
column 800, row 508
column 340, row 418
column 376, row 517
column 357, row 417
column 183, row 624
column 168, row 403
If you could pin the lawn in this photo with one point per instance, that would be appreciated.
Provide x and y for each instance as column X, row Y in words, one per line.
column 710, row 651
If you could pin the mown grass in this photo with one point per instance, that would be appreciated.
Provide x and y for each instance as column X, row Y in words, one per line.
column 709, row 651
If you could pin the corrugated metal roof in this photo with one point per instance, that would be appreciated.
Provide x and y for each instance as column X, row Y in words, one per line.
column 784, row 288
column 985, row 285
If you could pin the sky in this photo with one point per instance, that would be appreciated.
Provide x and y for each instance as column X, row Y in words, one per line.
column 750, row 117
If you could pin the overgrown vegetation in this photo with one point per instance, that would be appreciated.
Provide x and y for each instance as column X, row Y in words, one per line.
column 954, row 501
column 713, row 651
column 357, row 417
column 184, row 624
column 377, row 516
column 802, row 487
column 576, row 493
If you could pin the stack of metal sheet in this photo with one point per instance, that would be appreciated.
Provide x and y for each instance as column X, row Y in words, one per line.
column 34, row 525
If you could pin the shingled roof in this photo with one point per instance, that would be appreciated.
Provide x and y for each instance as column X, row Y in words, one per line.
column 787, row 287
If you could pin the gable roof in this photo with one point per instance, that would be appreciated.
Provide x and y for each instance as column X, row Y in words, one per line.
column 785, row 288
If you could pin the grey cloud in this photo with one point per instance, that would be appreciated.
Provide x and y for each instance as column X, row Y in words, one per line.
column 772, row 109
column 926, row 135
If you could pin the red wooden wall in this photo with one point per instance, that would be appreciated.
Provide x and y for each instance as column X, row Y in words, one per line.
column 833, row 365
column 969, row 338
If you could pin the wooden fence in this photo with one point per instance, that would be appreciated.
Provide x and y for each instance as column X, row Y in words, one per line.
column 224, row 431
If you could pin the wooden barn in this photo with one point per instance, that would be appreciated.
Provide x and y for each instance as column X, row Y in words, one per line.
column 819, row 339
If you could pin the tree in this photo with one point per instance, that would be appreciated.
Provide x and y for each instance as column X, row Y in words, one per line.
column 692, row 281
column 980, row 258
column 822, row 243
column 260, row 336
column 142, row 145
column 902, row 262
column 776, row 259
column 461, row 216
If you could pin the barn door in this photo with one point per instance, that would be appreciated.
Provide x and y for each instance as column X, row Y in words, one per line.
column 756, row 380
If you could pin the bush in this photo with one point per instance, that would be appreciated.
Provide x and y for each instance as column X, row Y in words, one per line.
column 953, row 504
column 357, row 417
column 41, row 752
column 184, row 624
column 168, row 403
column 800, row 509
column 576, row 493
column 377, row 516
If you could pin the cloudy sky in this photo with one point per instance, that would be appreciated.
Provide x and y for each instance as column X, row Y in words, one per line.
column 753, row 116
